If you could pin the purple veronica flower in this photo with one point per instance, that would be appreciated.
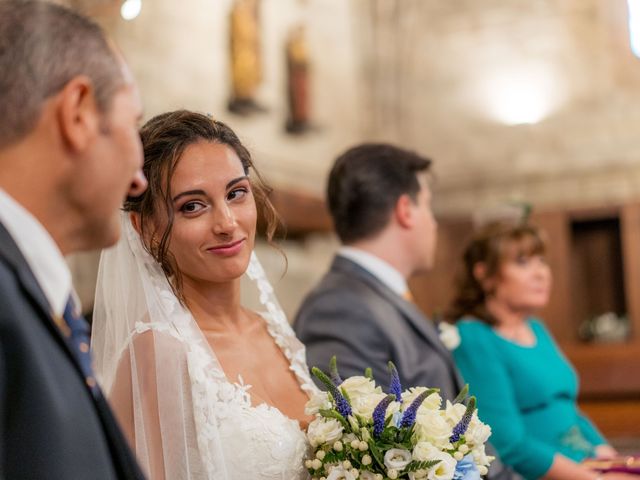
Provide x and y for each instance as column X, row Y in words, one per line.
column 463, row 424
column 409, row 416
column 395, row 386
column 379, row 415
column 342, row 405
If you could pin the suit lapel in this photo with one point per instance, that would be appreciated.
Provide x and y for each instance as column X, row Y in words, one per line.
column 11, row 254
column 408, row 310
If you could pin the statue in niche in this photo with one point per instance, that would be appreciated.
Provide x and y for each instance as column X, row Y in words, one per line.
column 246, row 68
column 297, row 81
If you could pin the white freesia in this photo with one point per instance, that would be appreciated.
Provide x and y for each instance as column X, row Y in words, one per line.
column 480, row 456
column 339, row 473
column 357, row 387
column 397, row 458
column 449, row 335
column 432, row 427
column 432, row 402
column 324, row 430
column 320, row 401
column 477, row 433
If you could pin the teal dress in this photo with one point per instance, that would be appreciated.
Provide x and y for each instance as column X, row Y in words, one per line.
column 527, row 395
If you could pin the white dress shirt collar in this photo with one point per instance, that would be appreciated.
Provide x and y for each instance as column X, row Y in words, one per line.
column 377, row 267
column 40, row 251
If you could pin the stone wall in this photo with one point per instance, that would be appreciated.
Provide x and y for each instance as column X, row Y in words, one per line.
column 448, row 78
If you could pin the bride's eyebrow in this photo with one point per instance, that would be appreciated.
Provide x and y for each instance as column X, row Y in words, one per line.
column 236, row 180
column 188, row 192
column 202, row 192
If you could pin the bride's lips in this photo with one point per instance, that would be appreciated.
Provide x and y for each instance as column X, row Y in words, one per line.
column 228, row 249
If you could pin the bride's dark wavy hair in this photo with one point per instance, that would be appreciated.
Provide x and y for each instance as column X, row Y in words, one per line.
column 492, row 246
column 164, row 139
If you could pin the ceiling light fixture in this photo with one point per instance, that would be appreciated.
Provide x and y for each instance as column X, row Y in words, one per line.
column 130, row 9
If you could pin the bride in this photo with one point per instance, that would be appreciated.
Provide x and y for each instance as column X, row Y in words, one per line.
column 203, row 387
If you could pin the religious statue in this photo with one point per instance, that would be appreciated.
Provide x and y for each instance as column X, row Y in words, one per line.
column 246, row 68
column 297, row 81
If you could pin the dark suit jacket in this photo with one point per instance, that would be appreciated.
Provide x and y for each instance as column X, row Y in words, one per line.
column 51, row 426
column 354, row 316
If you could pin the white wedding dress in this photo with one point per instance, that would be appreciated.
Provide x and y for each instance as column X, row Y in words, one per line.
column 185, row 418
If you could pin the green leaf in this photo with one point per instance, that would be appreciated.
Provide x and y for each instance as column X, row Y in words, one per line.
column 328, row 413
column 462, row 395
column 377, row 454
column 415, row 465
column 345, row 395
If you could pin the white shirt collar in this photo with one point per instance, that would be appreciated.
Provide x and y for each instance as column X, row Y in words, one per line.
column 377, row 267
column 40, row 251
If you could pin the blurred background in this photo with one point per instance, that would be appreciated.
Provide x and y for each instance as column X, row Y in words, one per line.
column 520, row 103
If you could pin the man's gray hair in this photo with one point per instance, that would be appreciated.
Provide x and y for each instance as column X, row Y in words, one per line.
column 42, row 47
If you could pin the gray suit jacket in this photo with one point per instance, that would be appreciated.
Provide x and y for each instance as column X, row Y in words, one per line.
column 352, row 315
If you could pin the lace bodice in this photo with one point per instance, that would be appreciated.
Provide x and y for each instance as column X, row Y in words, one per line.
column 260, row 442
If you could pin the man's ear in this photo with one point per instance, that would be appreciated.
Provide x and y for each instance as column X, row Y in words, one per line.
column 403, row 211
column 78, row 114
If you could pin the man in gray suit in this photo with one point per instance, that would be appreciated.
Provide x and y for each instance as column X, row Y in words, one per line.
column 380, row 201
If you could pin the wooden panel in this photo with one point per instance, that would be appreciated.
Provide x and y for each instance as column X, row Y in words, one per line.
column 617, row 418
column 631, row 251
column 301, row 213
column 596, row 269
column 434, row 291
column 606, row 370
column 558, row 313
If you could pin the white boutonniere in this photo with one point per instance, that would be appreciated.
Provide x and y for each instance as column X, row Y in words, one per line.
column 449, row 335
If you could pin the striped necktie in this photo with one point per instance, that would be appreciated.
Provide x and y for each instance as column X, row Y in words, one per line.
column 78, row 336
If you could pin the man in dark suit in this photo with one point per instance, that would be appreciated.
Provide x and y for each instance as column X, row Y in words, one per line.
column 361, row 311
column 69, row 155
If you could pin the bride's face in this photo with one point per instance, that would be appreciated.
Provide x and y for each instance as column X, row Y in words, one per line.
column 214, row 214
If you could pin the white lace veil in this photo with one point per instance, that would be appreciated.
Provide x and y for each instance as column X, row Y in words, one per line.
column 157, row 369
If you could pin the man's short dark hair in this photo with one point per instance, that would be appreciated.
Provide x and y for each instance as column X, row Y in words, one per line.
column 364, row 185
column 42, row 47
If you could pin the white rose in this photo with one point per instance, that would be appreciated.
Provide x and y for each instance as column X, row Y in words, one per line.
column 449, row 335
column 432, row 402
column 324, row 430
column 339, row 473
column 432, row 427
column 357, row 387
column 444, row 469
column 320, row 401
column 453, row 413
column 397, row 458
column 421, row 451
column 365, row 405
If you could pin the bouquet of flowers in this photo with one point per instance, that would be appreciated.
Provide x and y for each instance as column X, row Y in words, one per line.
column 362, row 433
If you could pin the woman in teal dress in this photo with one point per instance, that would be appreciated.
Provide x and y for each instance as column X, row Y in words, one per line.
column 525, row 387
